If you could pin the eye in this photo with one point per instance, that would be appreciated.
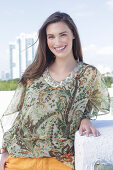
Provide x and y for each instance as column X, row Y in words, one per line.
column 50, row 37
column 63, row 35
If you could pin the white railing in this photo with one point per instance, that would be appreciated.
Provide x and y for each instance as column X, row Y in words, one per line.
column 89, row 150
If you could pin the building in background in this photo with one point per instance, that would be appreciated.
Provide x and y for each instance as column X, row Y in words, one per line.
column 4, row 76
column 13, row 56
column 21, row 53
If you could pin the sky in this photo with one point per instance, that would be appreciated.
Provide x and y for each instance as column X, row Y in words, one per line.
column 93, row 18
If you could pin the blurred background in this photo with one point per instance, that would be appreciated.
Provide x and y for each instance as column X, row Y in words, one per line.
column 20, row 21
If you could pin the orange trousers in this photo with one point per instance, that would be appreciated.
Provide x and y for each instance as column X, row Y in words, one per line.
column 13, row 163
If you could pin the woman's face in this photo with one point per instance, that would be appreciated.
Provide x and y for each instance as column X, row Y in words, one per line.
column 60, row 39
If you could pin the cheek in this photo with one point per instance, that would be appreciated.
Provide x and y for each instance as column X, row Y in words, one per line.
column 49, row 43
column 68, row 40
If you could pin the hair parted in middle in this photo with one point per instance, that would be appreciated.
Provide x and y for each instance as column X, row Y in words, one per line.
column 44, row 57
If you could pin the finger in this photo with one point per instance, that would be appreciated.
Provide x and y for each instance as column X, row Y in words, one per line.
column 81, row 131
column 95, row 132
column 87, row 132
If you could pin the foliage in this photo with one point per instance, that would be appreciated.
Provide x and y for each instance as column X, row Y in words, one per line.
column 12, row 84
column 108, row 80
column 8, row 85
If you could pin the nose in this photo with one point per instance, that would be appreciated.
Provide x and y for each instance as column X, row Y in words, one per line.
column 57, row 41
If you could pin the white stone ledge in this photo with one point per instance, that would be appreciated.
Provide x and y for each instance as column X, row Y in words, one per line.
column 90, row 149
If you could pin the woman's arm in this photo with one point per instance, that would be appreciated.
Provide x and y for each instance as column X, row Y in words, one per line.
column 8, row 119
column 4, row 157
column 98, row 101
column 10, row 115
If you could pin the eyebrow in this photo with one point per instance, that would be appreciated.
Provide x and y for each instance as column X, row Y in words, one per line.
column 59, row 33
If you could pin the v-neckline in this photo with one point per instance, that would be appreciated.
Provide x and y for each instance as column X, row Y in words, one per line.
column 63, row 82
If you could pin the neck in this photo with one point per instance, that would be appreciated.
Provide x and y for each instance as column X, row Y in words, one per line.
column 64, row 65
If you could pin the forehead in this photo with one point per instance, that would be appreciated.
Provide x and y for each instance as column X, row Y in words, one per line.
column 57, row 27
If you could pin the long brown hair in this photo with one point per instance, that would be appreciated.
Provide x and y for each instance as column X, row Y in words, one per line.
column 44, row 57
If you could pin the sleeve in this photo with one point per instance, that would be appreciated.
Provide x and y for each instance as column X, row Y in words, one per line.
column 9, row 116
column 99, row 99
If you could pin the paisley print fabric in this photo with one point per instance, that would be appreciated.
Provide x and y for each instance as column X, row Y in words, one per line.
column 41, row 126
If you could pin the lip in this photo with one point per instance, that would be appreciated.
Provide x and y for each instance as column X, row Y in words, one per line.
column 60, row 48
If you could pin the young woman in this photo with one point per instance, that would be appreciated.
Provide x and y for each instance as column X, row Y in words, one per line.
column 56, row 96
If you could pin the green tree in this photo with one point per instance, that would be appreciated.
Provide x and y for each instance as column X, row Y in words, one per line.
column 108, row 80
column 8, row 85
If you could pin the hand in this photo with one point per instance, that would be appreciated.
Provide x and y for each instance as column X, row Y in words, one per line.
column 3, row 160
column 1, row 166
column 86, row 126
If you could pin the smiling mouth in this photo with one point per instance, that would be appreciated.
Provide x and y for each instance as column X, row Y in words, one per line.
column 58, row 49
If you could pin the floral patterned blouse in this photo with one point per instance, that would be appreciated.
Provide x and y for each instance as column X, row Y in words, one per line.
column 42, row 126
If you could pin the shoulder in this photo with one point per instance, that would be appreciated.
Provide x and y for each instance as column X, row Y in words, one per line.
column 36, row 81
column 87, row 69
column 88, row 72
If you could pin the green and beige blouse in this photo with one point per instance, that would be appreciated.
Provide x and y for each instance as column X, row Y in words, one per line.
column 42, row 127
